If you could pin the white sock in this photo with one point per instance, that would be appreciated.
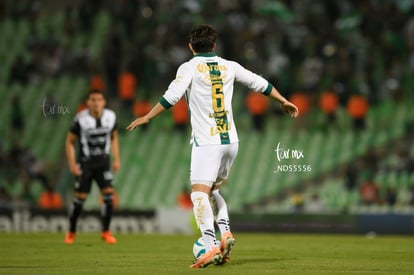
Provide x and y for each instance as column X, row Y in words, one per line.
column 222, row 218
column 204, row 217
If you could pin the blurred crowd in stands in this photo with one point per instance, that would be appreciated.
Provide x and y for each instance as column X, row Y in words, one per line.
column 366, row 175
column 304, row 47
column 19, row 165
column 48, row 54
column 322, row 54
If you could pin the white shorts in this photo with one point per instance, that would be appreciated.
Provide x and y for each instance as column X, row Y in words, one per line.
column 210, row 164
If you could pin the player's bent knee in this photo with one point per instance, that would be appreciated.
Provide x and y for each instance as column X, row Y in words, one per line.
column 219, row 182
column 201, row 187
column 81, row 196
column 107, row 191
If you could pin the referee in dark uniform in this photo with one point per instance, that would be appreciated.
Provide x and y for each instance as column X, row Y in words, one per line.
column 94, row 129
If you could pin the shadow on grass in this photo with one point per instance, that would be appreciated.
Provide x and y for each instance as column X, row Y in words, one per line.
column 261, row 260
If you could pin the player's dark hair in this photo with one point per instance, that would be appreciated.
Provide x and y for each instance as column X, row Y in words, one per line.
column 203, row 38
column 95, row 91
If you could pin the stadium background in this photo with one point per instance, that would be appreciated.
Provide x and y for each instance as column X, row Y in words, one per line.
column 349, row 70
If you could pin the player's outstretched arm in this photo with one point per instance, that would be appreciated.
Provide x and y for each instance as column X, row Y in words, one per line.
column 286, row 105
column 155, row 111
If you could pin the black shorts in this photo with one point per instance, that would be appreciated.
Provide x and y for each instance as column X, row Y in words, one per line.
column 94, row 169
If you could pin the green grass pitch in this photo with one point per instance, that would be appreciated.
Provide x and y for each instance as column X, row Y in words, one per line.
column 171, row 254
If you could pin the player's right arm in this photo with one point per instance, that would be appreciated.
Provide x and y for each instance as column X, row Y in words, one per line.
column 155, row 111
column 71, row 138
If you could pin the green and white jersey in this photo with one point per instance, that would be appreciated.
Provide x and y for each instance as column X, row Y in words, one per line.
column 208, row 82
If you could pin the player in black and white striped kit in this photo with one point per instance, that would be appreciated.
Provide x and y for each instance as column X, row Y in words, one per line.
column 94, row 129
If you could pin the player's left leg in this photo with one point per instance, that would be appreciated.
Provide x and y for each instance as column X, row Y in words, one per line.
column 104, row 180
column 222, row 216
column 223, row 223
column 106, row 214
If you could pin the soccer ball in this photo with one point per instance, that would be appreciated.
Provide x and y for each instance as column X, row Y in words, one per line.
column 199, row 248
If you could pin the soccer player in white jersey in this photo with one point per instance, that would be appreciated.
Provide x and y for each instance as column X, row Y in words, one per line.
column 207, row 83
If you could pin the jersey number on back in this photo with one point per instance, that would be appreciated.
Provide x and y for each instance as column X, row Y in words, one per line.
column 220, row 115
column 218, row 97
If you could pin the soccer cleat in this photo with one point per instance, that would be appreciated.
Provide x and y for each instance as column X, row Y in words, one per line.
column 227, row 243
column 212, row 257
column 108, row 238
column 70, row 237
